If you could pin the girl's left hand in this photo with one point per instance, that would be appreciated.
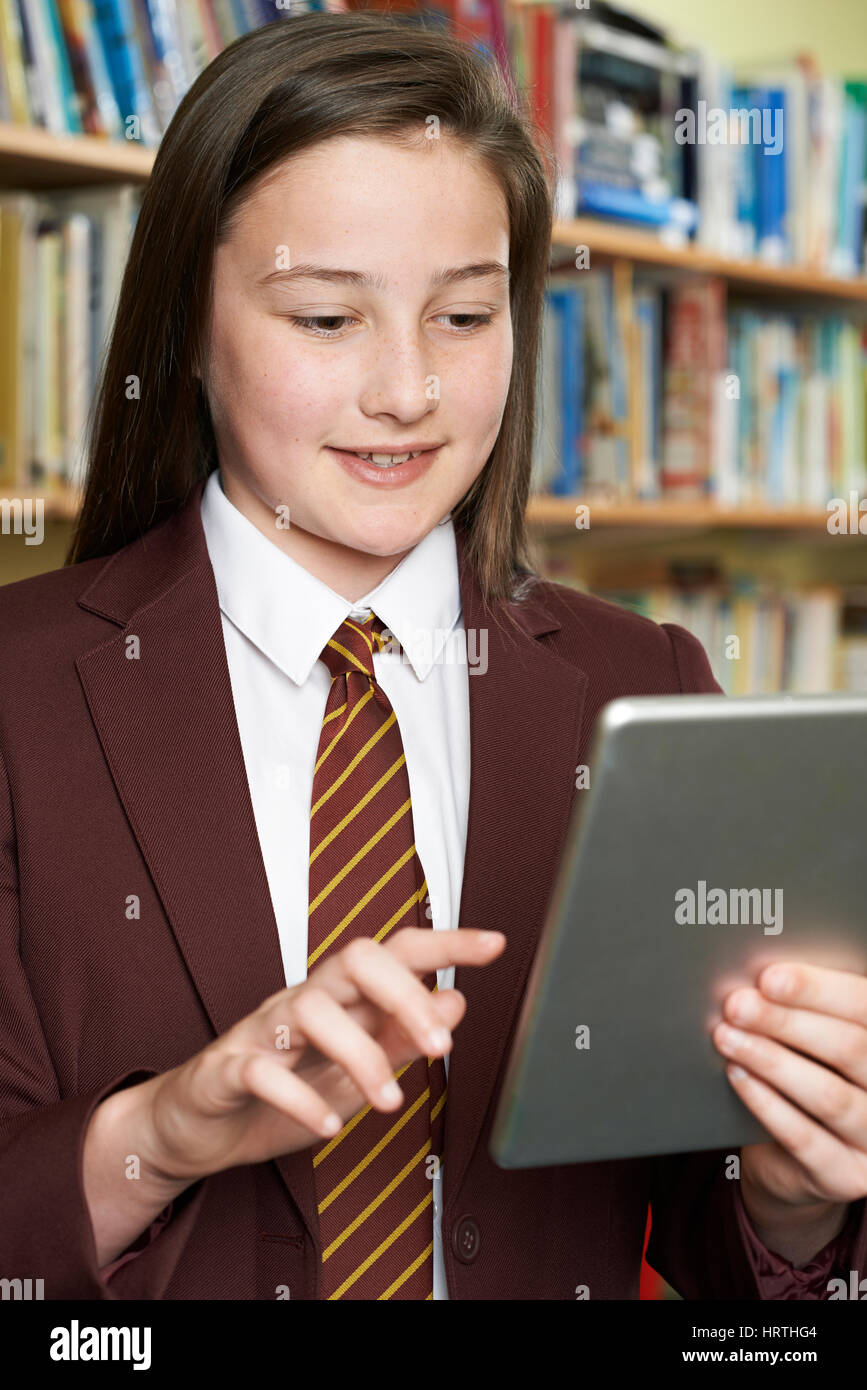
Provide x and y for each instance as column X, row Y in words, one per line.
column 814, row 1105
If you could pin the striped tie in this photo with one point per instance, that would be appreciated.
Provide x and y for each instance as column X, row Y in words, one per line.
column 373, row 1179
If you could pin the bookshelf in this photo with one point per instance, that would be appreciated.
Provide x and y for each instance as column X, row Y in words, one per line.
column 34, row 159
column 560, row 512
column 614, row 242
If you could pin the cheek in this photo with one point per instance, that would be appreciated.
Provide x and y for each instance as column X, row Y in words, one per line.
column 238, row 376
column 481, row 389
column 262, row 383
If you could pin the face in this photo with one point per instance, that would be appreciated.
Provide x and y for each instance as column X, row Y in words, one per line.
column 358, row 306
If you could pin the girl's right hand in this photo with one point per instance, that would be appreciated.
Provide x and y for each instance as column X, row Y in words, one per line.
column 326, row 1047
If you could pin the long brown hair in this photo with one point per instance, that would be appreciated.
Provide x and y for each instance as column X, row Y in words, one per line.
column 269, row 95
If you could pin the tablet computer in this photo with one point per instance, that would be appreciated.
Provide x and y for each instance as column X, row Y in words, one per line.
column 716, row 835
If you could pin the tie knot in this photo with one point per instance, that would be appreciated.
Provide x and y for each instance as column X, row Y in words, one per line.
column 353, row 644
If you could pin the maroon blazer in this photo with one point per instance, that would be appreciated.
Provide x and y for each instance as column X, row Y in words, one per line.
column 122, row 777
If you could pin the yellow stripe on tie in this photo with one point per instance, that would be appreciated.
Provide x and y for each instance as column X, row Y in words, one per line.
column 359, row 906
column 411, row 1269
column 377, row 1201
column 350, row 1125
column 338, row 736
column 335, row 714
column 401, row 912
column 344, row 651
column 367, row 640
column 359, row 855
column 442, row 1100
column 380, row 1249
column 374, row 738
column 341, row 825
column 377, row 1149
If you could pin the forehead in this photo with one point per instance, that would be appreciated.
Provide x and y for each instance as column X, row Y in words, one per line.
column 366, row 195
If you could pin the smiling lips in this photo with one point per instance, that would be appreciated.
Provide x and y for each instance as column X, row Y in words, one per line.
column 390, row 458
column 388, row 468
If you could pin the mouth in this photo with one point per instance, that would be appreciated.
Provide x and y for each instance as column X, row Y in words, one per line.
column 386, row 467
column 389, row 458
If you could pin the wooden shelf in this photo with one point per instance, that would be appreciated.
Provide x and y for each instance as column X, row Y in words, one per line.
column 550, row 511
column 611, row 241
column 32, row 158
column 557, row 512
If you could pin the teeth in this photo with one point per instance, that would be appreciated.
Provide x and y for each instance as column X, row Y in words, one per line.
column 388, row 460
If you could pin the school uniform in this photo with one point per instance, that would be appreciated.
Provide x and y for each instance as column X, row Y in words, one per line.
column 159, row 714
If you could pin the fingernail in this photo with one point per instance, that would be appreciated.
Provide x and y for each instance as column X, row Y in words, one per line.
column 331, row 1124
column 391, row 1094
column 438, row 1039
column 731, row 1037
column 777, row 983
column 744, row 1008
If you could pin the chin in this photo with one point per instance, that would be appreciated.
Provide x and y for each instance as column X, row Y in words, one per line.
column 376, row 545
column 386, row 539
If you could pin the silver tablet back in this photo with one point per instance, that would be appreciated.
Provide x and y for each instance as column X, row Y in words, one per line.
column 716, row 835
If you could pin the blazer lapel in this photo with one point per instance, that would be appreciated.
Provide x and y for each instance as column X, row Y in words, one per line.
column 166, row 721
column 160, row 697
column 525, row 736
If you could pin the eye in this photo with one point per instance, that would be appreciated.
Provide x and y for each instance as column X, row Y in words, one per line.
column 308, row 323
column 478, row 321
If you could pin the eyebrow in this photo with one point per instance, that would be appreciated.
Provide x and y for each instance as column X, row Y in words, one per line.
column 476, row 271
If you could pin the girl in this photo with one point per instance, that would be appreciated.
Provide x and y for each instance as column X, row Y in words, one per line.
column 244, row 775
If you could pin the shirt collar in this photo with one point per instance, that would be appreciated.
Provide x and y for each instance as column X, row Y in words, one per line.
column 290, row 615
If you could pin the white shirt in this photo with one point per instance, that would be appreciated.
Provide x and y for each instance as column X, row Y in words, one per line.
column 276, row 619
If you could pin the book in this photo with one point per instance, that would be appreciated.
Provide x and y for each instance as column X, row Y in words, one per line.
column 63, row 258
column 681, row 394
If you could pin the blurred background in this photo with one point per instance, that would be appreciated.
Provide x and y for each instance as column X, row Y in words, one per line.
column 700, row 441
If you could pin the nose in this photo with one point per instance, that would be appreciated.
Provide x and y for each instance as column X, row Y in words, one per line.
column 399, row 376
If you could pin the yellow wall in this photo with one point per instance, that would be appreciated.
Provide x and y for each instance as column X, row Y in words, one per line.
column 835, row 32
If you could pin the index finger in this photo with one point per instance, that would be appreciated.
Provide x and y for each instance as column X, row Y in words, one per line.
column 423, row 950
column 799, row 985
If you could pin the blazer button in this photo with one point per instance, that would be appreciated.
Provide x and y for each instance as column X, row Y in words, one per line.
column 466, row 1239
